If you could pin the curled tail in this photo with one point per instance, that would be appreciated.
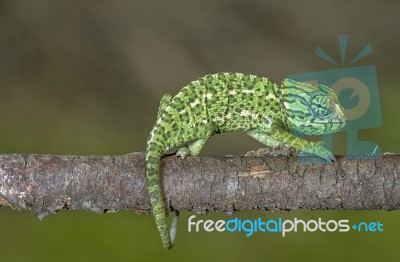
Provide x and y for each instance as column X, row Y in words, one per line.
column 153, row 154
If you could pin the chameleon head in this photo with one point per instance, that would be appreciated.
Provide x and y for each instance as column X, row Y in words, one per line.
column 311, row 109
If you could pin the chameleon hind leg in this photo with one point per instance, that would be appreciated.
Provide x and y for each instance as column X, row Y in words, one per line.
column 203, row 133
column 192, row 149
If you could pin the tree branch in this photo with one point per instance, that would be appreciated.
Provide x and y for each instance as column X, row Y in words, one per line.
column 45, row 184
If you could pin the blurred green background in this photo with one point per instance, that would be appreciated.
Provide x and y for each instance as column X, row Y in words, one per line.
column 85, row 77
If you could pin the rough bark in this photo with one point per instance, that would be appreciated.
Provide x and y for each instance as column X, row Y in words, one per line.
column 45, row 184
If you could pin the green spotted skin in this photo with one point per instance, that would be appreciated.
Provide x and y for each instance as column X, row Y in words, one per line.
column 227, row 102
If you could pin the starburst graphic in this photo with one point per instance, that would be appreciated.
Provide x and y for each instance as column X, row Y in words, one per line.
column 343, row 47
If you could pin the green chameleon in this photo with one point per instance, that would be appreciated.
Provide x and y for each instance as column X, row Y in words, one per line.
column 231, row 102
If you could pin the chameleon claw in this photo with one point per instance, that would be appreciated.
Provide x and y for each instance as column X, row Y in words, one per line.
column 329, row 159
column 183, row 152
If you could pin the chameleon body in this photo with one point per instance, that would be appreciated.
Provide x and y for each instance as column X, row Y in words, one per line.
column 227, row 102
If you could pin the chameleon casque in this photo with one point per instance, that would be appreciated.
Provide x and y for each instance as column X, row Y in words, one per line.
column 235, row 102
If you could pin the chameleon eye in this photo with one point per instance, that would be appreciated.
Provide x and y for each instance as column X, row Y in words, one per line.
column 319, row 106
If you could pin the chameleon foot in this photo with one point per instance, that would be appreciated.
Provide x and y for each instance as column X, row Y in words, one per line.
column 322, row 152
column 183, row 152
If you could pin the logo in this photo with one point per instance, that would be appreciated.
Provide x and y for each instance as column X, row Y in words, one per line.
column 281, row 226
column 357, row 90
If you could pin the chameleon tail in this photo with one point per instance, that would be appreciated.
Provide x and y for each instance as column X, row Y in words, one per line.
column 156, row 198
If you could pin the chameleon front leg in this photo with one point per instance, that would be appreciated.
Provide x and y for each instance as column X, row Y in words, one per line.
column 280, row 136
column 303, row 145
column 263, row 138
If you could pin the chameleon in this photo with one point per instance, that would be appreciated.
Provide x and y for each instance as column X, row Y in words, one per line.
column 234, row 102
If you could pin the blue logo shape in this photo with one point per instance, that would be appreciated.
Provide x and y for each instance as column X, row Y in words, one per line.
column 357, row 90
